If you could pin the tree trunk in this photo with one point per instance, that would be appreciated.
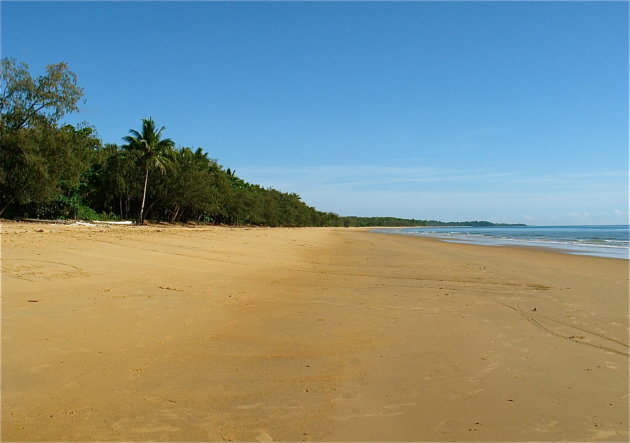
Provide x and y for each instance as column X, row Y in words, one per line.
column 144, row 196
column 151, row 206
column 7, row 205
column 174, row 214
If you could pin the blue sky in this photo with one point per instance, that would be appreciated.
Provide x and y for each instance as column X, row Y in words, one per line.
column 503, row 111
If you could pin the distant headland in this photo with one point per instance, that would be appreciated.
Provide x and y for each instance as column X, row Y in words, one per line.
column 397, row 222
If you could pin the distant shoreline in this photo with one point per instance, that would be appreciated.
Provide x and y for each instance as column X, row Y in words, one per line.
column 611, row 241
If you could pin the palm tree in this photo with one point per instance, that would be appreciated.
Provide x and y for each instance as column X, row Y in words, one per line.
column 155, row 153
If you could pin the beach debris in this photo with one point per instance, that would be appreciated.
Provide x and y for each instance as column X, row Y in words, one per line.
column 74, row 222
column 475, row 428
column 534, row 310
column 41, row 220
column 33, row 301
column 106, row 222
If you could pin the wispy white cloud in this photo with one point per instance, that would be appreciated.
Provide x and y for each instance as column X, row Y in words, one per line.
column 371, row 175
column 558, row 207
column 361, row 175
column 415, row 192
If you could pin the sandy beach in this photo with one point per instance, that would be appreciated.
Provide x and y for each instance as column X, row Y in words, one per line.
column 161, row 333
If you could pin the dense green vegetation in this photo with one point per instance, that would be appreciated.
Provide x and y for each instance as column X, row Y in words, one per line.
column 49, row 170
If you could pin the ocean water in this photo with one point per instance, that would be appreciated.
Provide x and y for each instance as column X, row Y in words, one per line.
column 602, row 241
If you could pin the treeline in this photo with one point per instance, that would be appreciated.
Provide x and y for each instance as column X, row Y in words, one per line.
column 403, row 222
column 190, row 187
column 48, row 170
column 381, row 221
column 477, row 223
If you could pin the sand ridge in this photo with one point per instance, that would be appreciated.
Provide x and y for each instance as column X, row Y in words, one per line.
column 155, row 333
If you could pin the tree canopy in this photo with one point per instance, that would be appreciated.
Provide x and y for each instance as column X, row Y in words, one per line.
column 153, row 151
column 55, row 170
column 40, row 161
column 27, row 101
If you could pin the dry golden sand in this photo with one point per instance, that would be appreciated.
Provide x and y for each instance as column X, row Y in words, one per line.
column 210, row 334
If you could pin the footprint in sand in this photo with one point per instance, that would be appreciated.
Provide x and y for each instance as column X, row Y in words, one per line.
column 447, row 426
column 254, row 406
column 263, row 436
column 57, row 350
column 137, row 372
column 151, row 429
column 36, row 369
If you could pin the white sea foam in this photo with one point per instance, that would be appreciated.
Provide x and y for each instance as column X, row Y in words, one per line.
column 603, row 241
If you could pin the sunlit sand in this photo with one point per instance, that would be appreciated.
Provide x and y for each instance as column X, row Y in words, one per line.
column 113, row 333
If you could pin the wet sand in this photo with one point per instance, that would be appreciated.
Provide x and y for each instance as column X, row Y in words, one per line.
column 120, row 333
